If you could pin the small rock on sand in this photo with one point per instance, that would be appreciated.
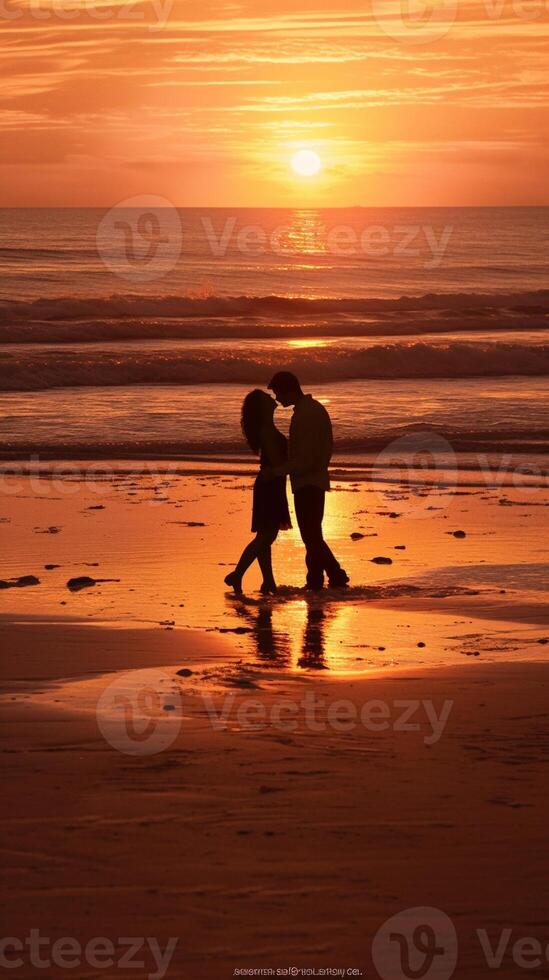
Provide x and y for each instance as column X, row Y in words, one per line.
column 85, row 582
column 184, row 672
column 381, row 560
column 19, row 583
column 81, row 582
column 356, row 536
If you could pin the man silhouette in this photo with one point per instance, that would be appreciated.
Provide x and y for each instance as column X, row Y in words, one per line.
column 310, row 451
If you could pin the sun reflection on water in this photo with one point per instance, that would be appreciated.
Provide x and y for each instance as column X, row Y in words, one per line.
column 309, row 343
column 299, row 634
column 305, row 234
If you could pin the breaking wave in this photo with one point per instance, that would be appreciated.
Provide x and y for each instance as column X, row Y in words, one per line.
column 126, row 317
column 34, row 369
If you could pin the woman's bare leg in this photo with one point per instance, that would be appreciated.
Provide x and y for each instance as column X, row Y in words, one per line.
column 251, row 553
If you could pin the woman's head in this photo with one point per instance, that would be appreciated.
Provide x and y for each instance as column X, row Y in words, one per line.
column 257, row 409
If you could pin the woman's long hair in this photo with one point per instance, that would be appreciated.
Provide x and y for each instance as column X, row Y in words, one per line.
column 253, row 417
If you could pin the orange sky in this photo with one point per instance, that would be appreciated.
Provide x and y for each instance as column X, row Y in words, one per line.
column 204, row 103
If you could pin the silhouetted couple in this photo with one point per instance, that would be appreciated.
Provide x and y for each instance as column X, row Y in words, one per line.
column 305, row 457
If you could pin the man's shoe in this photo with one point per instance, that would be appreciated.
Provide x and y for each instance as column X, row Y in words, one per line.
column 268, row 588
column 339, row 581
column 314, row 587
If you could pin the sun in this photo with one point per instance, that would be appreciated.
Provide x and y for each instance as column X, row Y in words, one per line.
column 306, row 163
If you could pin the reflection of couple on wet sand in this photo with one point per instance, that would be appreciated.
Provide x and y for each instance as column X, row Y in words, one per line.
column 273, row 645
column 305, row 457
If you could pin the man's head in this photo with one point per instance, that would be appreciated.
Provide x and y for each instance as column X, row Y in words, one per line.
column 286, row 388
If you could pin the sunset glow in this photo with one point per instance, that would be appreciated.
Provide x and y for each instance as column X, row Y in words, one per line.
column 206, row 103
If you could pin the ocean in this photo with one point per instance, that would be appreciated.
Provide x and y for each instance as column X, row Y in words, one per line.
column 137, row 331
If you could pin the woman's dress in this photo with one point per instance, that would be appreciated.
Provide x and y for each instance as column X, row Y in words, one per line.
column 270, row 503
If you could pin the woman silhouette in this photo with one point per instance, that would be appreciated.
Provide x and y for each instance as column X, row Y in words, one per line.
column 270, row 512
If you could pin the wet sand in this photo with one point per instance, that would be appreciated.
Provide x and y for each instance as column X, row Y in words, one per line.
column 161, row 542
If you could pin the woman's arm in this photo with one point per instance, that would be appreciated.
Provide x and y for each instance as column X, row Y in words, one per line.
column 272, row 447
